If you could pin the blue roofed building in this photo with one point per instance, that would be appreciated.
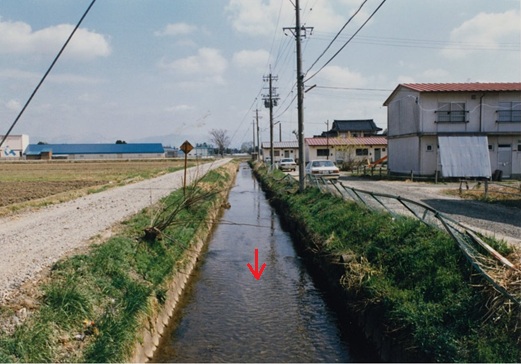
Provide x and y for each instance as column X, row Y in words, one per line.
column 95, row 151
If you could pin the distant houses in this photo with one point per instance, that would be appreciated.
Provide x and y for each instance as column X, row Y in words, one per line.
column 464, row 130
column 288, row 149
column 95, row 151
column 352, row 129
column 347, row 151
column 18, row 147
column 14, row 146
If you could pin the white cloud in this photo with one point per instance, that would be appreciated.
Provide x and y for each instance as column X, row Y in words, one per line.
column 68, row 78
column 18, row 74
column 485, row 30
column 57, row 78
column 255, row 17
column 340, row 77
column 325, row 16
column 259, row 17
column 179, row 108
column 252, row 59
column 19, row 38
column 176, row 29
column 207, row 64
column 13, row 105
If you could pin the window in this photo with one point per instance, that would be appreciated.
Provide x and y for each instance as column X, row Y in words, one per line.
column 276, row 153
column 361, row 152
column 451, row 112
column 322, row 152
column 509, row 112
column 429, row 148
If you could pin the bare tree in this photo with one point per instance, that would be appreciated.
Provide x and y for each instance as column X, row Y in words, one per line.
column 221, row 139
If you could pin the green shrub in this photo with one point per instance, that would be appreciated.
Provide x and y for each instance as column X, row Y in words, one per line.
column 111, row 285
column 413, row 273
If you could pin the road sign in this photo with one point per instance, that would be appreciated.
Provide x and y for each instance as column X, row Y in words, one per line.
column 186, row 147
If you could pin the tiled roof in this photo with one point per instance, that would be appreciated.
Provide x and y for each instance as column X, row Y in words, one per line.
column 319, row 142
column 355, row 125
column 134, row 148
column 464, row 87
column 457, row 87
column 281, row 145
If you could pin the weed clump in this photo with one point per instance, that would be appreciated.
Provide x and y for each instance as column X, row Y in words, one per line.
column 93, row 304
column 410, row 278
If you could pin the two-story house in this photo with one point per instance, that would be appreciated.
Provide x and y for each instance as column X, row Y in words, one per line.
column 464, row 118
column 352, row 129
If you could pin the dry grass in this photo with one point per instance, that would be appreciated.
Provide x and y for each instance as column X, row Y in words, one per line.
column 505, row 193
column 39, row 183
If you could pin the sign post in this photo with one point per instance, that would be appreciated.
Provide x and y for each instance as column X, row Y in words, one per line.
column 186, row 147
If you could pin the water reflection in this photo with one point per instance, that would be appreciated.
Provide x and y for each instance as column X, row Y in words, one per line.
column 228, row 316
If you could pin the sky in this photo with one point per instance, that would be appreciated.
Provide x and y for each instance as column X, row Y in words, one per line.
column 172, row 70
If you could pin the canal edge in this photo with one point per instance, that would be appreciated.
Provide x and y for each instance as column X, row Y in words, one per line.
column 326, row 269
column 153, row 324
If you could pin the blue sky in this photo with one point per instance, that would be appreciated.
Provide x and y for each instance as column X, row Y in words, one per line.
column 170, row 70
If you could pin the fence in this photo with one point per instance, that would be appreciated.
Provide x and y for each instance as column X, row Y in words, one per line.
column 484, row 259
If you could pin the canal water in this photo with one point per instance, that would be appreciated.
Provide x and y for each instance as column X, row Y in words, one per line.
column 226, row 315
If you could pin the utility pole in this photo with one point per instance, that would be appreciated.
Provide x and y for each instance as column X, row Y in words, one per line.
column 258, row 138
column 299, row 32
column 253, row 142
column 270, row 100
column 327, row 139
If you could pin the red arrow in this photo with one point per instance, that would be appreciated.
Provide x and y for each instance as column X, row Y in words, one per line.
column 256, row 273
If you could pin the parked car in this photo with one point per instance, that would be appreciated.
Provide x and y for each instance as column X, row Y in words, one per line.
column 323, row 168
column 287, row 164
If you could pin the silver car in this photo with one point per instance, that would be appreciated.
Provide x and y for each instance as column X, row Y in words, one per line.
column 287, row 164
column 323, row 168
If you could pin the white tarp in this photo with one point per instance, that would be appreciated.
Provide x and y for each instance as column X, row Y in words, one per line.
column 464, row 156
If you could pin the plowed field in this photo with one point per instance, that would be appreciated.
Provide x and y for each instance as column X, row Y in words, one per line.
column 21, row 182
column 16, row 192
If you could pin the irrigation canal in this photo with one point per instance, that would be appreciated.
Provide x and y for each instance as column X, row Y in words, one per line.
column 226, row 315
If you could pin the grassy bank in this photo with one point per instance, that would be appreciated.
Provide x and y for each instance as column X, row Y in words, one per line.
column 408, row 281
column 91, row 306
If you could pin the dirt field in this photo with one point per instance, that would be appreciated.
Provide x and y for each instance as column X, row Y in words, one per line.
column 21, row 182
column 34, row 239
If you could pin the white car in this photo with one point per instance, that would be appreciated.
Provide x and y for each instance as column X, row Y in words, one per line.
column 323, row 168
column 287, row 164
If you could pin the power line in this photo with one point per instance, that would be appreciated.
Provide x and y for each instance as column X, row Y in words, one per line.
column 429, row 43
column 336, row 36
column 354, row 88
column 47, row 73
column 348, row 41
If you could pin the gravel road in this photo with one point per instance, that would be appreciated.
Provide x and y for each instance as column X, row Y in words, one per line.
column 493, row 219
column 32, row 241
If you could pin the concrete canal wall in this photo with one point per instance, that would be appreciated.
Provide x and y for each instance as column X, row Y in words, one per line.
column 153, row 325
column 329, row 270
